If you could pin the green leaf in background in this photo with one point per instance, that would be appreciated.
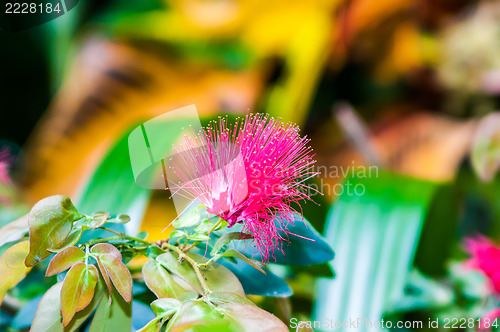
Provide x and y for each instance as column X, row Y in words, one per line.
column 48, row 314
column 112, row 318
column 423, row 293
column 257, row 283
column 485, row 152
column 375, row 236
column 112, row 188
column 14, row 231
column 50, row 222
column 305, row 247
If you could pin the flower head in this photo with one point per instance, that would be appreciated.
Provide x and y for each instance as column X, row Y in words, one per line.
column 248, row 173
column 486, row 258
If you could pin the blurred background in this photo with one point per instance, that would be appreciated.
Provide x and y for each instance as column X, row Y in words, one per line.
column 407, row 87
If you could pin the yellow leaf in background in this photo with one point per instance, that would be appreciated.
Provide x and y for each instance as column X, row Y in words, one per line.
column 420, row 145
column 486, row 147
column 112, row 87
column 12, row 268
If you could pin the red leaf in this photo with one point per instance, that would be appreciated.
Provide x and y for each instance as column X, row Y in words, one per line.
column 106, row 248
column 119, row 274
column 88, row 287
column 105, row 276
column 64, row 260
column 71, row 291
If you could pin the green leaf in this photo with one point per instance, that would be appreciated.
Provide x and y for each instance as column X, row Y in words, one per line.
column 237, row 254
column 97, row 219
column 159, row 280
column 192, row 217
column 257, row 283
column 375, row 236
column 71, row 291
column 221, row 297
column 198, row 237
column 177, row 233
column 250, row 318
column 162, row 307
column 120, row 219
column 64, row 260
column 153, row 326
column 112, row 188
column 142, row 235
column 113, row 317
column 154, row 251
column 119, row 275
column 12, row 268
column 193, row 314
column 14, row 231
column 48, row 314
column 50, row 222
column 188, row 296
column 227, row 238
column 234, row 317
column 209, row 224
column 217, row 277
column 71, row 240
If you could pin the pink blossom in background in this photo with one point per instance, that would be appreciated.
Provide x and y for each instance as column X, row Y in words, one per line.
column 4, row 165
column 485, row 256
column 248, row 173
column 490, row 319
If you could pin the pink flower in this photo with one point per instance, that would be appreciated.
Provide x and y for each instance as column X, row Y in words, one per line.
column 248, row 173
column 4, row 165
column 486, row 258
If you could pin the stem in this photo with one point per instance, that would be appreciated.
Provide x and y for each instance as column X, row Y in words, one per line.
column 87, row 255
column 193, row 263
column 216, row 225
column 181, row 253
column 125, row 236
column 190, row 246
column 106, row 239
